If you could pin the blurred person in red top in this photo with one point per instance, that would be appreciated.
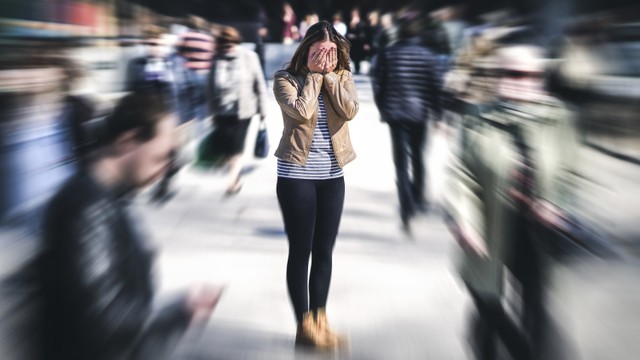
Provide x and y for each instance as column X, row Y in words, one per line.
column 290, row 21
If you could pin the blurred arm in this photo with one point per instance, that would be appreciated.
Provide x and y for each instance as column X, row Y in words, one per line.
column 259, row 85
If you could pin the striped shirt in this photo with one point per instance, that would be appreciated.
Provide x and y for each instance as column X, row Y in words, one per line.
column 197, row 48
column 321, row 163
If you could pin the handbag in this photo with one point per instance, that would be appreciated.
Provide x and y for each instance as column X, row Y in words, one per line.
column 261, row 149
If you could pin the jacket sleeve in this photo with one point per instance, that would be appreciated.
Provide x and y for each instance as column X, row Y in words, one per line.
column 259, row 85
column 343, row 98
column 300, row 107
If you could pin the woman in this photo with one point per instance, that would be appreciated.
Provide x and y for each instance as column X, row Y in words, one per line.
column 237, row 93
column 317, row 96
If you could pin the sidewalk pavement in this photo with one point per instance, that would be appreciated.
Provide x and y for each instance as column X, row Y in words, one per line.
column 396, row 297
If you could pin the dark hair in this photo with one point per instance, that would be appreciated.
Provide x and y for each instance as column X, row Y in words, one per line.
column 410, row 23
column 320, row 31
column 140, row 111
column 228, row 35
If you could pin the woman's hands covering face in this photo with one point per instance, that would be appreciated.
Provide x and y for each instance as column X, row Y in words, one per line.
column 323, row 60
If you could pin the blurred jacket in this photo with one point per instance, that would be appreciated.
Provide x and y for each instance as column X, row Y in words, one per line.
column 406, row 83
column 485, row 175
column 250, row 87
column 298, row 99
column 478, row 202
column 96, row 283
column 197, row 47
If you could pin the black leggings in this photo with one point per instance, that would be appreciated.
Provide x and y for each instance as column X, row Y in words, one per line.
column 311, row 210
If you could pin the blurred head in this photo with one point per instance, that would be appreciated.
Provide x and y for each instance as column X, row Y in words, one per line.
column 321, row 35
column 196, row 23
column 139, row 137
column 227, row 39
column 522, row 70
column 386, row 20
column 155, row 43
column 374, row 18
column 410, row 23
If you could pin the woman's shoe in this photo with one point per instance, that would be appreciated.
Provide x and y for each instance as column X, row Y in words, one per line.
column 325, row 331
column 308, row 334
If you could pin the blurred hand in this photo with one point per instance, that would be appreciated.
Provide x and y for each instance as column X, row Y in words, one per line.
column 201, row 300
column 316, row 62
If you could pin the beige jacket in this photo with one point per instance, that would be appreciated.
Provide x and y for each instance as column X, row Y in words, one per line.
column 298, row 100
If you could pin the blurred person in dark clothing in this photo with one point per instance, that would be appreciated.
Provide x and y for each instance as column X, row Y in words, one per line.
column 357, row 35
column 79, row 113
column 373, row 28
column 262, row 36
column 95, row 269
column 407, row 88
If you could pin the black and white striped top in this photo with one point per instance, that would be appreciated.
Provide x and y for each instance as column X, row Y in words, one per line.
column 321, row 163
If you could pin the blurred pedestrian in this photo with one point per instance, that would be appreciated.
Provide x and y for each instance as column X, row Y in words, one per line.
column 95, row 269
column 153, row 71
column 339, row 25
column 317, row 96
column 516, row 177
column 196, row 46
column 237, row 92
column 177, row 77
column 290, row 25
column 407, row 93
column 357, row 35
column 308, row 21
column 373, row 28
column 262, row 36
column 388, row 32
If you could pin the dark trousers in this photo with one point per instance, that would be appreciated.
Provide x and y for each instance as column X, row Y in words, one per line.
column 311, row 210
column 491, row 324
column 526, row 264
column 408, row 140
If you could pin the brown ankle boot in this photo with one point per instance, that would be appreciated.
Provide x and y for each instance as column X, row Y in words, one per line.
column 325, row 331
column 308, row 334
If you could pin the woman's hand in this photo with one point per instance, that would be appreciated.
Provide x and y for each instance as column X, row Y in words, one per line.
column 331, row 61
column 316, row 62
